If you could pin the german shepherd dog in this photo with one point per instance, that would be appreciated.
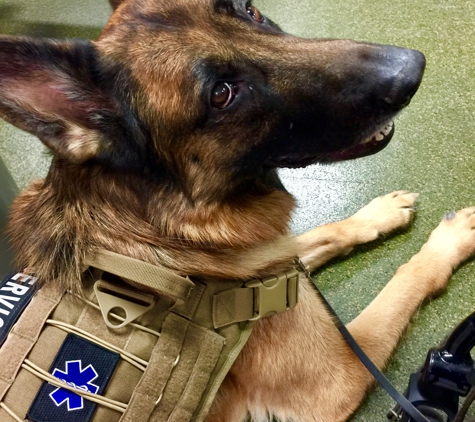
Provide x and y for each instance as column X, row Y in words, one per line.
column 167, row 134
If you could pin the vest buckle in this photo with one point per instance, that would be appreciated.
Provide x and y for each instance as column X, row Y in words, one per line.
column 275, row 294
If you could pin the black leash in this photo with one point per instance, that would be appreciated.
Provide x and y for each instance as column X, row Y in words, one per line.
column 408, row 407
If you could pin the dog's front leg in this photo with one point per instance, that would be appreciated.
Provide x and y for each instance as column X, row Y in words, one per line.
column 424, row 276
column 382, row 215
column 379, row 327
column 297, row 366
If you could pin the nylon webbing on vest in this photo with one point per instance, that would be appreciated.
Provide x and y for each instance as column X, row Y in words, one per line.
column 160, row 279
column 179, row 370
column 24, row 335
column 172, row 359
column 256, row 299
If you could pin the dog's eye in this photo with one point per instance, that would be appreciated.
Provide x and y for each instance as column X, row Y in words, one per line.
column 223, row 95
column 255, row 14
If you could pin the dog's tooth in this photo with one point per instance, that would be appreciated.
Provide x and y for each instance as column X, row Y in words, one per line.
column 366, row 141
column 387, row 129
column 379, row 136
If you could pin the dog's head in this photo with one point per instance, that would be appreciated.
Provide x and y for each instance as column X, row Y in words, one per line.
column 204, row 89
column 168, row 130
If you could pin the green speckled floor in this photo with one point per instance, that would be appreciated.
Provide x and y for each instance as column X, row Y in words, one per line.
column 433, row 151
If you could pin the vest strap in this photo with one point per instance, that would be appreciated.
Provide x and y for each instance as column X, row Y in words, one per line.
column 256, row 299
column 158, row 278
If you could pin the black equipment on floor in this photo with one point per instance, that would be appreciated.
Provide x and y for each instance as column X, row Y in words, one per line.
column 447, row 374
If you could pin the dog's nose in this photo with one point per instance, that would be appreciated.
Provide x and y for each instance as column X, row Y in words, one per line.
column 401, row 71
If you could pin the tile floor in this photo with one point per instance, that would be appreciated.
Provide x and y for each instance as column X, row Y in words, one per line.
column 433, row 151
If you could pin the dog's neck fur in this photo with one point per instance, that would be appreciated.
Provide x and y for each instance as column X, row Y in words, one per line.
column 75, row 210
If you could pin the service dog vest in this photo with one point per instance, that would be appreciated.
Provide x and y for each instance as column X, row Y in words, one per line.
column 156, row 348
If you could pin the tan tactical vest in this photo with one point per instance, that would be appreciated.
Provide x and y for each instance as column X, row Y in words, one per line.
column 165, row 353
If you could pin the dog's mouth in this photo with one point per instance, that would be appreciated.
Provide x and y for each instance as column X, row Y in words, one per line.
column 370, row 145
column 374, row 143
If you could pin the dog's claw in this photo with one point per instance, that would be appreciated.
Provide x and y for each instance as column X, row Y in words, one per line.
column 450, row 215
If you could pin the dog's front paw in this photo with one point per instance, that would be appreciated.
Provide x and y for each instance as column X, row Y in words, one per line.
column 453, row 240
column 387, row 213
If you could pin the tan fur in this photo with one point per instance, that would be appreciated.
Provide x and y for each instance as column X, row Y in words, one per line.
column 298, row 365
column 196, row 190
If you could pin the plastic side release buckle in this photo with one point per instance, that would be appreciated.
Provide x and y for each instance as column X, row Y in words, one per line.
column 274, row 294
column 115, row 302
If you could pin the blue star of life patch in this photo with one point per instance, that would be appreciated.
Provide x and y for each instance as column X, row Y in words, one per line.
column 78, row 378
column 82, row 365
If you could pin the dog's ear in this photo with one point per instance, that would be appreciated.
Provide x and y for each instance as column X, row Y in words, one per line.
column 115, row 3
column 58, row 92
